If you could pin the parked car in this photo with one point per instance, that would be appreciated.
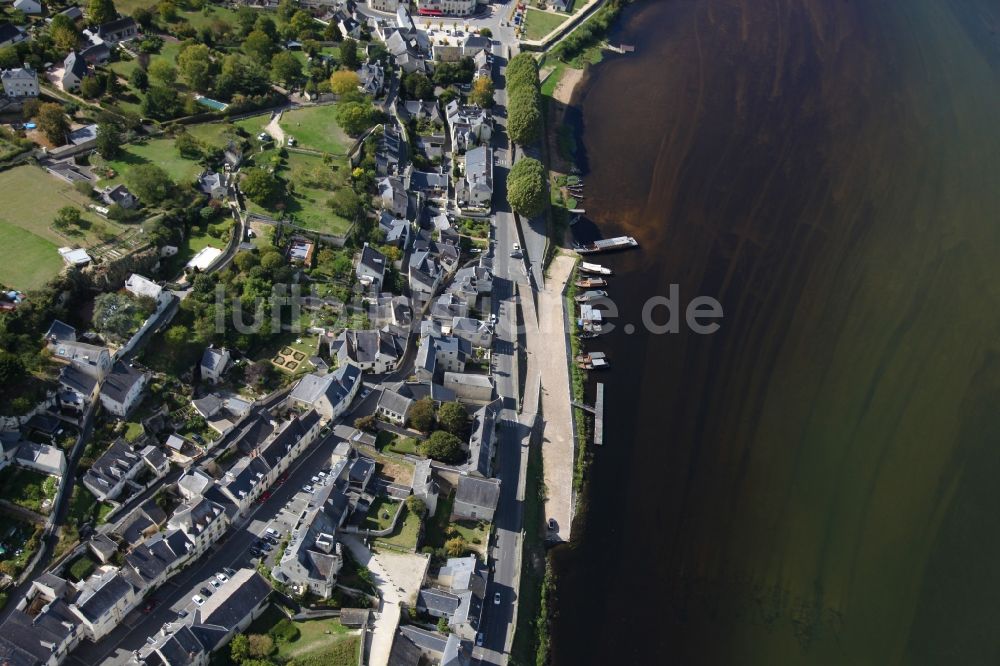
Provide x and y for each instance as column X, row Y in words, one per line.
column 182, row 613
column 222, row 577
column 198, row 600
column 228, row 571
column 216, row 584
column 150, row 640
column 307, row 488
column 205, row 592
column 270, row 531
column 496, row 599
column 553, row 525
column 315, row 479
column 255, row 551
column 493, row 319
column 479, row 639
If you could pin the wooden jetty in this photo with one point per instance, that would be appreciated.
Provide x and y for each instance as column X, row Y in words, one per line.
column 598, row 411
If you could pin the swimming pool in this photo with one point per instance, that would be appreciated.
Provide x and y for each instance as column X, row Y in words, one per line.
column 212, row 103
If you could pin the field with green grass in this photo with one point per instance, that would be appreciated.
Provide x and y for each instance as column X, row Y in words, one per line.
column 406, row 532
column 31, row 199
column 307, row 207
column 322, row 642
column 160, row 152
column 197, row 240
column 316, row 128
column 539, row 23
column 216, row 135
column 440, row 528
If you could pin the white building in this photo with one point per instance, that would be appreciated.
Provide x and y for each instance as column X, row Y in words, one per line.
column 476, row 187
column 20, row 82
column 331, row 394
column 214, row 363
column 446, row 7
column 143, row 287
column 122, row 389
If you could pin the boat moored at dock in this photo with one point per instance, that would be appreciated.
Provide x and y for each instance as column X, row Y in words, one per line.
column 607, row 245
column 594, row 269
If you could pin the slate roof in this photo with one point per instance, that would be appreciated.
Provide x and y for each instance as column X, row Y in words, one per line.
column 101, row 593
column 439, row 601
column 372, row 259
column 74, row 64
column 394, row 402
column 120, row 381
column 478, row 492
column 335, row 386
column 113, row 465
column 77, row 380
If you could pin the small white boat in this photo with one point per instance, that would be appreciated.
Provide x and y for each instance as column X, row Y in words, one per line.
column 594, row 269
column 592, row 295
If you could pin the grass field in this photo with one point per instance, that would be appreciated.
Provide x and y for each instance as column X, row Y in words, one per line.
column 316, row 128
column 160, row 152
column 322, row 641
column 31, row 199
column 405, row 534
column 213, row 134
column 440, row 526
column 168, row 52
column 308, row 207
column 539, row 23
column 197, row 240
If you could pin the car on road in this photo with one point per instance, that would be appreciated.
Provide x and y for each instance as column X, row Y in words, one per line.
column 496, row 599
column 493, row 319
column 364, row 394
column 479, row 639
column 197, row 600
column 222, row 577
column 150, row 605
column 553, row 525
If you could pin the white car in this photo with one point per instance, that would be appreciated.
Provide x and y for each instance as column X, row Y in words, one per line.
column 222, row 577
column 198, row 600
column 216, row 584
column 496, row 599
column 493, row 319
column 307, row 488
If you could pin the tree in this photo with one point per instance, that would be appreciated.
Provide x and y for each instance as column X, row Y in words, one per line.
column 63, row 32
column 260, row 645
column 91, row 87
column 260, row 186
column 163, row 71
column 109, row 140
column 188, row 146
column 101, row 11
column 285, row 67
column 144, row 17
column 522, row 69
column 53, row 123
column 349, row 54
column 344, row 81
column 365, row 423
column 302, row 24
column 355, row 117
column 194, row 63
column 139, row 79
column 442, row 625
column 177, row 341
column 9, row 58
column 416, row 506
column 12, row 370
column 526, row 187
column 422, row 415
column 239, row 648
column 346, row 203
column 524, row 117
column 482, row 92
column 150, row 183
column 259, row 46
column 455, row 546
column 443, row 446
column 167, row 11
column 161, row 103
column 331, row 32
column 485, row 32
column 417, row 86
column 453, row 418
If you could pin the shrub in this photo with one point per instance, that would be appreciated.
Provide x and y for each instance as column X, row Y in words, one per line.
column 285, row 631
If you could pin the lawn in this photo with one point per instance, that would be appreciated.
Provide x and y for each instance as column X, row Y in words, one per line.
column 381, row 513
column 326, row 642
column 307, row 207
column 539, row 23
column 31, row 199
column 440, row 528
column 316, row 128
column 403, row 445
column 160, row 152
column 27, row 488
column 216, row 135
column 406, row 532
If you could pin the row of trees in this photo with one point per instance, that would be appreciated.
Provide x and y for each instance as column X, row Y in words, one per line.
column 524, row 100
column 526, row 191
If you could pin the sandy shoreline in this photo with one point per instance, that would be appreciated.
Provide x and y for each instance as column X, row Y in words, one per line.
column 567, row 85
